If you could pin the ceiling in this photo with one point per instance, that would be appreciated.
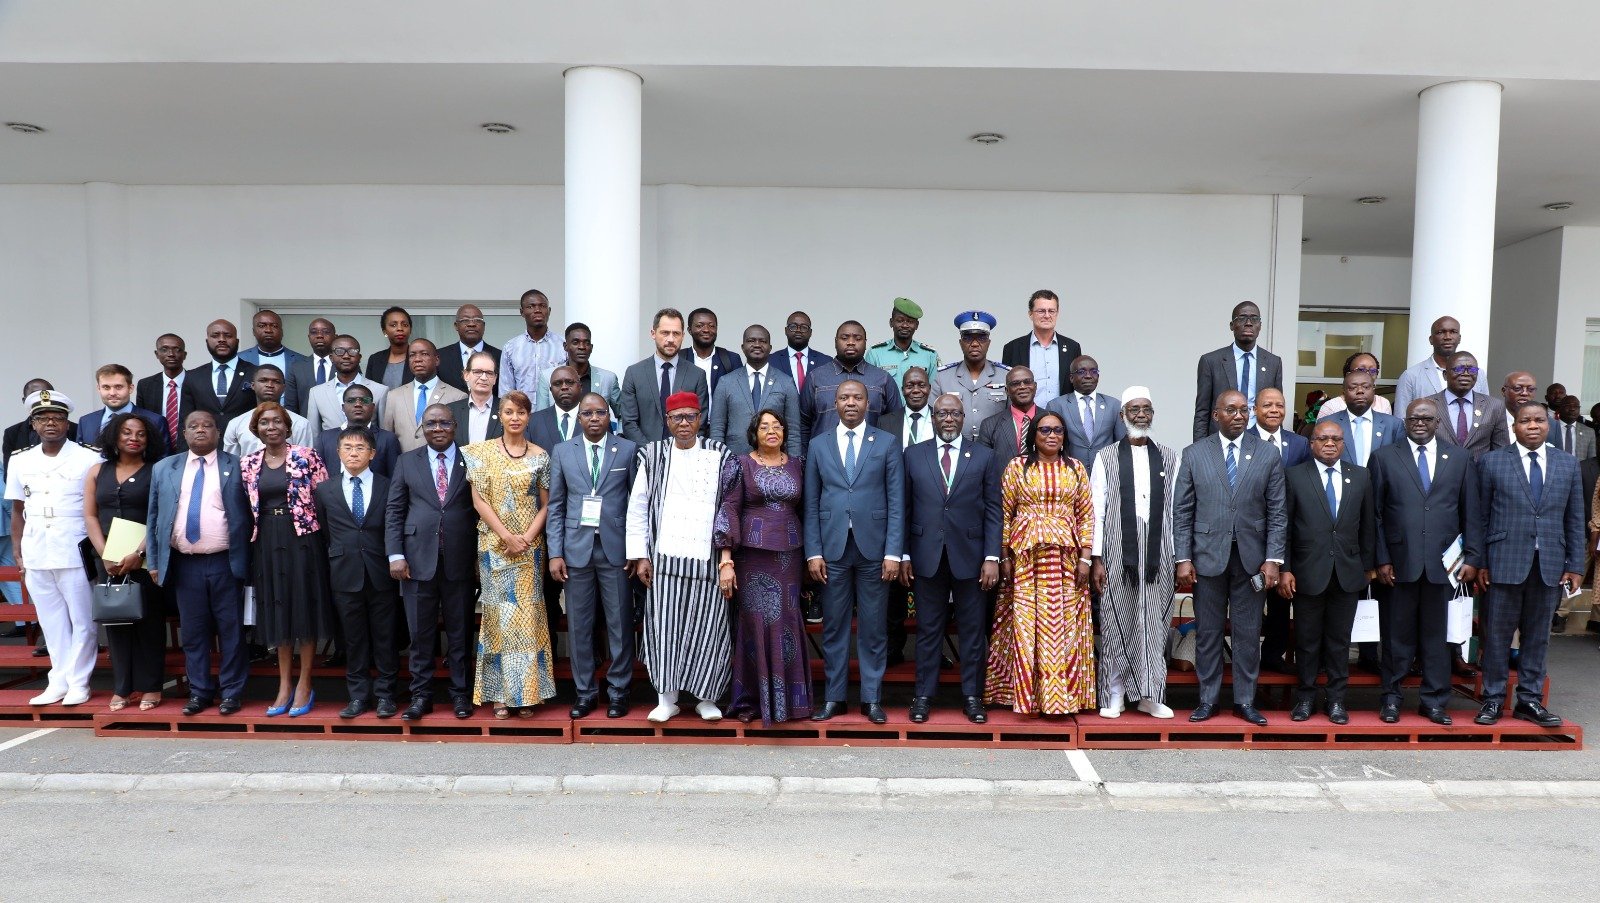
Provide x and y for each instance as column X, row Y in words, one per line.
column 1332, row 138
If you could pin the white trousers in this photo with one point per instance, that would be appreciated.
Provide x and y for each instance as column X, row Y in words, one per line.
column 62, row 597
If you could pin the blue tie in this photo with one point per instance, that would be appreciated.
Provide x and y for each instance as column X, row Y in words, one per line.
column 566, row 424
column 850, row 455
column 1422, row 469
column 422, row 402
column 322, row 371
column 1535, row 478
column 1333, row 496
column 222, row 380
column 755, row 393
column 358, row 502
column 1233, row 469
column 1244, row 380
column 191, row 527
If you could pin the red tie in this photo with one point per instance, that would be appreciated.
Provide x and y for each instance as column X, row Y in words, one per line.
column 946, row 464
column 441, row 479
column 799, row 369
column 172, row 412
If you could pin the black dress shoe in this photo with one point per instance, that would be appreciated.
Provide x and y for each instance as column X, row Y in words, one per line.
column 617, row 709
column 1337, row 713
column 230, row 706
column 1301, row 711
column 420, row 705
column 973, row 708
column 829, row 711
column 1489, row 714
column 1369, row 664
column 1203, row 712
column 874, row 712
column 1249, row 713
column 1592, row 626
column 1389, row 713
column 1460, row 668
column 196, row 705
column 919, row 709
column 354, row 710
column 1278, row 666
column 1538, row 714
column 40, row 651
column 813, row 611
column 387, row 708
column 463, row 708
column 16, row 630
column 582, row 708
column 1436, row 715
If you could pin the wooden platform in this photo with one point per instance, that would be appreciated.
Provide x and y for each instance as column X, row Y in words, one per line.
column 15, row 711
column 549, row 724
column 1136, row 730
column 945, row 728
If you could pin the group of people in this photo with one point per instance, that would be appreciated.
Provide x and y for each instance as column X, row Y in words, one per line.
column 718, row 501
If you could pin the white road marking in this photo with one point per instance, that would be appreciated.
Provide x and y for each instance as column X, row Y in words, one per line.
column 1082, row 767
column 31, row 735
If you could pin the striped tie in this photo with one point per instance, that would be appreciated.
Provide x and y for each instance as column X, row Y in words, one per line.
column 1233, row 469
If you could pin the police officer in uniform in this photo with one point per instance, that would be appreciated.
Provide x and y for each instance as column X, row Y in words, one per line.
column 44, row 484
column 903, row 352
column 980, row 382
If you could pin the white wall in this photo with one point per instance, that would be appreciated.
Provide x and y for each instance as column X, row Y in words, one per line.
column 1579, row 301
column 1146, row 280
column 1331, row 280
column 1523, row 313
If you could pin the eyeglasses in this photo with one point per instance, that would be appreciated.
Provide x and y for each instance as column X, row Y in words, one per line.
column 468, row 321
column 1325, row 440
column 1051, row 430
column 947, row 415
column 359, row 399
column 437, row 424
column 1086, row 371
column 599, row 413
column 1418, row 418
column 1233, row 411
column 1464, row 371
column 683, row 418
column 344, row 352
column 1373, row 371
column 1132, row 409
column 1247, row 320
column 1019, row 382
column 478, row 371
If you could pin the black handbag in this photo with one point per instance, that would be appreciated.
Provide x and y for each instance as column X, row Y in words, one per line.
column 117, row 603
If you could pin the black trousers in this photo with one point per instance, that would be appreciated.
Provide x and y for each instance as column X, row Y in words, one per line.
column 1412, row 619
column 938, row 598
column 368, row 619
column 139, row 649
column 895, row 615
column 1227, row 598
column 427, row 603
column 1524, row 608
column 1275, row 629
column 1322, row 624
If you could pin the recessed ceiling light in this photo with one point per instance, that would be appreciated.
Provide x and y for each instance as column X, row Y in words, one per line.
column 1371, row 199
column 1558, row 206
column 26, row 128
column 498, row 128
column 988, row 138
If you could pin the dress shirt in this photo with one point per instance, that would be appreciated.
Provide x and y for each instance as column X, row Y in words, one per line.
column 955, row 465
column 1362, row 436
column 523, row 358
column 588, row 450
column 365, row 477
column 1338, row 480
column 1274, row 439
column 1544, row 460
column 466, row 351
column 1017, row 414
column 1045, row 362
column 1239, row 460
column 327, row 369
column 1099, row 492
column 572, row 422
column 1078, row 398
column 924, row 426
column 230, row 367
column 750, row 374
column 1431, row 453
column 213, row 518
column 424, row 389
column 860, row 430
column 478, row 419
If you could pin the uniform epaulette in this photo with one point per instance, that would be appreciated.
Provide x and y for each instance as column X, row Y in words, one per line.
column 949, row 366
column 882, row 344
column 94, row 448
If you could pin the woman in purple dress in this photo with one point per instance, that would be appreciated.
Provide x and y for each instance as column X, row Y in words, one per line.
column 758, row 538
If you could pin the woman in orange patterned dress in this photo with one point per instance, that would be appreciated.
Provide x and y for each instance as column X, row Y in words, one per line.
column 1041, row 656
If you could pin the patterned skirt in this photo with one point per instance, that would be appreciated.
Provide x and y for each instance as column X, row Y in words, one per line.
column 771, row 667
column 514, row 660
column 1041, row 652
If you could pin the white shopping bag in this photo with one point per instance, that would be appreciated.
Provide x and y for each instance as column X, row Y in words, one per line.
column 248, row 617
column 1458, row 623
column 1365, row 628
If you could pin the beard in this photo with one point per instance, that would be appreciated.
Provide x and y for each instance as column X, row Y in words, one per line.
column 951, row 437
column 1138, row 432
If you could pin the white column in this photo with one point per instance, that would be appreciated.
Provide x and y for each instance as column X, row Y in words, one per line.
column 604, row 141
column 106, row 249
column 1452, row 256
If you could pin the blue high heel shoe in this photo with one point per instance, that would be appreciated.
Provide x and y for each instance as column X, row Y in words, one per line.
column 274, row 711
column 301, row 710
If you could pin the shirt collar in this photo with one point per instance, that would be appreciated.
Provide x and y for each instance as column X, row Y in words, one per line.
column 1225, row 441
column 762, row 372
column 1017, row 413
column 426, row 387
column 488, row 404
column 364, row 476
column 463, row 347
column 1266, row 434
column 1415, row 447
column 210, row 459
column 662, row 360
column 860, row 430
column 1033, row 341
column 449, row 455
column 955, row 444
column 125, row 409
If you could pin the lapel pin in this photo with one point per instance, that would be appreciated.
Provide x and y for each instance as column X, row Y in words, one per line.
column 1443, row 457
column 1347, row 480
column 1247, row 457
column 1163, row 473
column 870, row 438
column 966, row 454
column 1377, row 432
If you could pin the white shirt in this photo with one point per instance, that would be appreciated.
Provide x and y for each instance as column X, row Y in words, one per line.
column 50, row 488
column 924, row 426
column 1078, row 400
column 1274, row 439
column 347, row 482
column 1544, row 460
column 423, row 390
column 478, row 418
column 750, row 378
column 1362, row 436
column 704, row 363
column 572, row 422
column 1338, row 481
column 1101, row 494
column 230, row 368
column 588, row 452
column 860, row 431
column 467, row 351
column 1430, row 452
column 238, row 440
column 327, row 369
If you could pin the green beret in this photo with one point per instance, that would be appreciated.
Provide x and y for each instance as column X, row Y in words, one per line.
column 908, row 307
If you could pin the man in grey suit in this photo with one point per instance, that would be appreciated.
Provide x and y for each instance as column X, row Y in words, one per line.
column 1531, row 498
column 1572, row 436
column 1222, row 369
column 854, row 534
column 1431, row 375
column 1365, row 430
column 590, row 477
column 267, row 327
column 755, row 387
column 325, row 403
column 1229, row 540
column 1093, row 419
column 401, row 415
column 646, row 384
column 598, row 380
column 1469, row 418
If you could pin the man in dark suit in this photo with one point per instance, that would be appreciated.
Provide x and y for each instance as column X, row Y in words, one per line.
column 1533, row 551
column 1093, row 419
column 1005, row 433
column 163, row 392
column 646, row 384
column 115, row 385
column 1270, row 411
column 1364, row 430
column 199, row 547
column 1426, row 495
column 1222, row 369
column 588, row 551
column 478, row 415
column 703, row 352
column 350, row 509
column 223, row 385
column 1332, row 533
column 1048, row 353
column 953, row 490
column 914, row 423
column 431, row 536
column 1468, row 418
column 752, row 388
column 469, row 323
column 1228, row 527
column 267, row 327
column 854, row 534
column 817, row 413
column 309, row 371
column 798, row 357
column 554, row 425
column 359, row 410
column 21, row 435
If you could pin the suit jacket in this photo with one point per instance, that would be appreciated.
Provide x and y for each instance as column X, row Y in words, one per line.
column 291, row 358
column 602, row 382
column 872, row 505
column 325, row 403
column 388, row 451
column 1016, row 354
column 304, row 470
column 723, row 362
column 1217, row 373
column 544, row 428
column 300, row 380
column 199, row 393
column 166, row 488
column 565, row 535
column 19, row 436
column 152, row 390
column 450, row 363
column 1485, row 433
column 459, row 410
column 1590, row 469
column 963, row 524
column 1582, row 437
column 415, row 520
column 92, row 424
column 1512, row 524
column 378, row 362
column 400, row 414
column 1108, row 425
column 1386, row 430
column 643, row 421
column 998, row 433
column 1324, row 551
column 1295, row 449
column 355, row 550
column 783, row 359
column 1415, row 528
column 1208, row 517
column 731, row 409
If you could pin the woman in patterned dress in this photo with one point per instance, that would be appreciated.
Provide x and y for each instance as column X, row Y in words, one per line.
column 510, row 479
column 1041, row 656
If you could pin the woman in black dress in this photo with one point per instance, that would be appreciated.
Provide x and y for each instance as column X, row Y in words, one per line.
column 120, row 488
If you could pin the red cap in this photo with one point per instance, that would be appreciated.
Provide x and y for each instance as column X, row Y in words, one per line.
column 682, row 400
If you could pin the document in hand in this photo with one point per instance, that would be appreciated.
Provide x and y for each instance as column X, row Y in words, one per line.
column 124, row 539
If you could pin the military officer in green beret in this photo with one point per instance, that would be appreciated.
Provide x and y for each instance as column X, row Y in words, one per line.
column 903, row 352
